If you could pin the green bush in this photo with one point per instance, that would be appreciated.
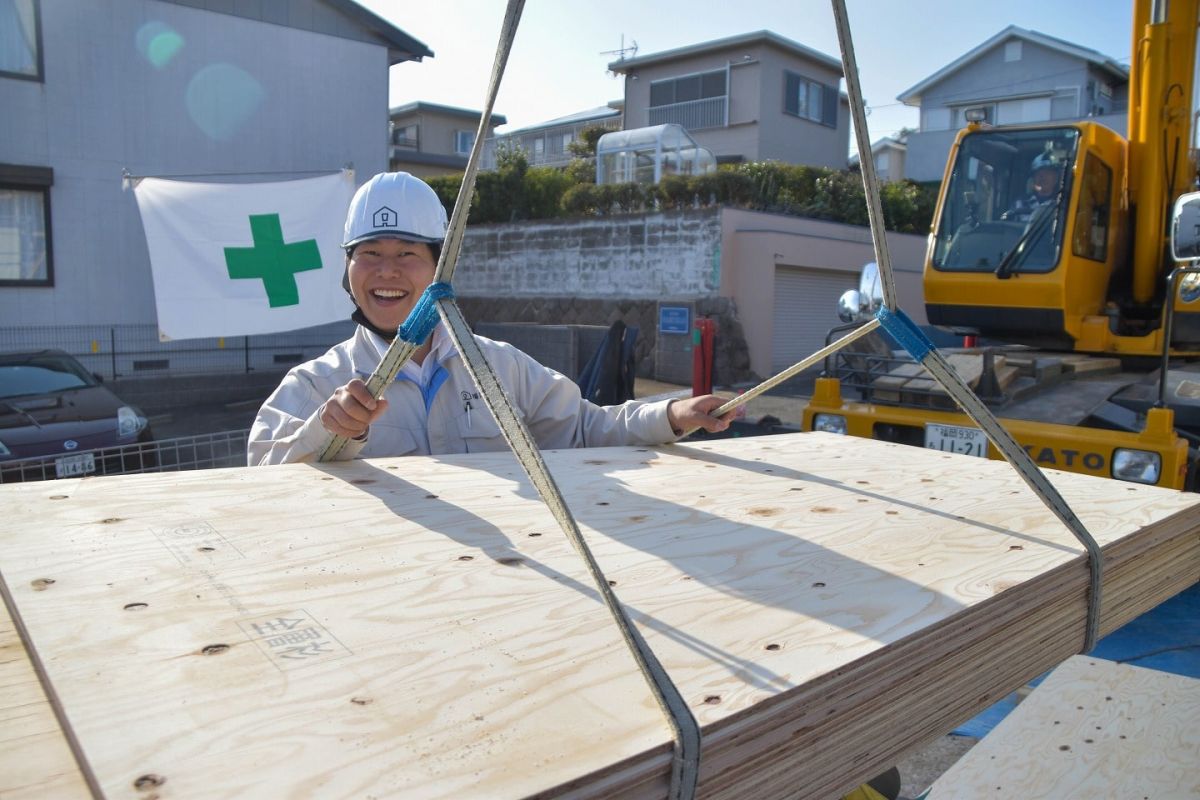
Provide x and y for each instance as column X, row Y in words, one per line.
column 447, row 188
column 734, row 188
column 838, row 196
column 544, row 188
column 581, row 200
column 516, row 191
column 674, row 192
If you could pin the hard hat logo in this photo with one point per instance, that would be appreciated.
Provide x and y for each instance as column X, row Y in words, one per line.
column 395, row 205
column 385, row 218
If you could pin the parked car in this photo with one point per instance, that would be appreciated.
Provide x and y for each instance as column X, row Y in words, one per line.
column 54, row 411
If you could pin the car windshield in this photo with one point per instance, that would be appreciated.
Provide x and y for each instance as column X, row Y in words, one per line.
column 1006, row 202
column 22, row 376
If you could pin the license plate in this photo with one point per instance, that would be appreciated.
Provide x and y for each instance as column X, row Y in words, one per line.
column 68, row 466
column 956, row 439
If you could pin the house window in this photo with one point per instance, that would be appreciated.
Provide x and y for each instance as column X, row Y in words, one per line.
column 539, row 147
column 1065, row 103
column 1090, row 238
column 809, row 99
column 1012, row 50
column 935, row 119
column 558, row 143
column 463, row 142
column 25, row 226
column 694, row 101
column 700, row 86
column 406, row 135
column 20, row 39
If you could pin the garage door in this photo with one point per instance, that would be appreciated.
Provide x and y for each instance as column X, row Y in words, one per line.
column 805, row 310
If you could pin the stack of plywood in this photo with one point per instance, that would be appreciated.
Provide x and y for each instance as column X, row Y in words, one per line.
column 912, row 385
column 419, row 627
column 1093, row 728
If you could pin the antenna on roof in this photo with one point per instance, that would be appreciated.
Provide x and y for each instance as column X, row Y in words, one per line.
column 620, row 52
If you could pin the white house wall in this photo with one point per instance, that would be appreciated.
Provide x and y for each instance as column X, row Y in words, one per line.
column 103, row 108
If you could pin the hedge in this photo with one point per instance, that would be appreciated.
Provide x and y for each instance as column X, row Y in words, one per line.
column 516, row 191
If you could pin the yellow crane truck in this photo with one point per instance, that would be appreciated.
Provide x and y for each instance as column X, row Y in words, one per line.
column 1051, row 249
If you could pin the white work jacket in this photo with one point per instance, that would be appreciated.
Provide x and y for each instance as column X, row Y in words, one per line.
column 441, row 411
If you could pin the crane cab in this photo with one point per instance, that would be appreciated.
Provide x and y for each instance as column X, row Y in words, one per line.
column 1026, row 244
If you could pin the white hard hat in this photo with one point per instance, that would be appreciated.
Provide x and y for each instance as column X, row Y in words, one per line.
column 395, row 205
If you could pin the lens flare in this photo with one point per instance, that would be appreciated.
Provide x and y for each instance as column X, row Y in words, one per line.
column 158, row 43
column 221, row 97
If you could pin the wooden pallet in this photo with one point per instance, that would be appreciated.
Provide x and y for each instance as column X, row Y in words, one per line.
column 911, row 385
column 418, row 627
column 1093, row 728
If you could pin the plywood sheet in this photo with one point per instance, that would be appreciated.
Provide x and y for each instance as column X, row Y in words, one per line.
column 1093, row 728
column 35, row 759
column 419, row 627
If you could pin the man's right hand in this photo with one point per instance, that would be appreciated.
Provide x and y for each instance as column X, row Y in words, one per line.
column 351, row 410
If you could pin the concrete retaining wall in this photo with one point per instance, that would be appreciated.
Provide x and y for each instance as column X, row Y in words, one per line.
column 669, row 255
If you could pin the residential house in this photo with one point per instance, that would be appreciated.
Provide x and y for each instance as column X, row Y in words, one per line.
column 1016, row 77
column 547, row 144
column 752, row 97
column 94, row 89
column 888, row 154
column 430, row 139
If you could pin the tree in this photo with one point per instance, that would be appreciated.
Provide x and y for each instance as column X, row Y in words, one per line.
column 582, row 168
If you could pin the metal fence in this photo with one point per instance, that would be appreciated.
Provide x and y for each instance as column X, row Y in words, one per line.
column 693, row 115
column 128, row 351
column 207, row 451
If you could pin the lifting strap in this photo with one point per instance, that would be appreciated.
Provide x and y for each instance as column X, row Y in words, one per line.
column 902, row 329
column 416, row 329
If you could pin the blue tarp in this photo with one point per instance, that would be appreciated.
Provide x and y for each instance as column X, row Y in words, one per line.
column 1166, row 638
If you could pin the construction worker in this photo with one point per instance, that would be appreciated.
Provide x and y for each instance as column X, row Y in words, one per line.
column 393, row 236
column 1045, row 181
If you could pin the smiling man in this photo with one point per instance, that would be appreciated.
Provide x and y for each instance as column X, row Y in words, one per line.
column 394, row 233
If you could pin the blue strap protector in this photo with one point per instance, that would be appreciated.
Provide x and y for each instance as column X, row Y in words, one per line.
column 424, row 317
column 905, row 331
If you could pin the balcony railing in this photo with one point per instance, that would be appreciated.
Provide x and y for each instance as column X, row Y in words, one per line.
column 693, row 115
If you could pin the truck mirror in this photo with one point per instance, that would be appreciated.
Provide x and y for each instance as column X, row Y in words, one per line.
column 851, row 307
column 1185, row 227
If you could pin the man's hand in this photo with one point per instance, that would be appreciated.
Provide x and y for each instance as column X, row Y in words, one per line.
column 696, row 412
column 351, row 410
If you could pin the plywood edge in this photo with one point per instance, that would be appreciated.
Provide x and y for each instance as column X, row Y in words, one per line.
column 36, row 755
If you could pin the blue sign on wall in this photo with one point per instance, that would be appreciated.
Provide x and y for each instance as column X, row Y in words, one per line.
column 674, row 319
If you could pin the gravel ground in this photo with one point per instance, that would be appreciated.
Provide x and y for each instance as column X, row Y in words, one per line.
column 922, row 767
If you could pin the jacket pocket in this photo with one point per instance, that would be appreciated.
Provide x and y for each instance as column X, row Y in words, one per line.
column 479, row 431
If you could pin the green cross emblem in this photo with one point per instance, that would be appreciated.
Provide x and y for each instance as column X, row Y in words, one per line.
column 273, row 261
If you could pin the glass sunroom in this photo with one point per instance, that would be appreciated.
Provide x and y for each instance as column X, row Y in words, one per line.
column 645, row 155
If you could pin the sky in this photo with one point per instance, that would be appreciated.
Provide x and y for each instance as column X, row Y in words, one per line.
column 559, row 62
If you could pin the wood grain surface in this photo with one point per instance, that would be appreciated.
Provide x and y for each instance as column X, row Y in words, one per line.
column 1093, row 728
column 35, row 759
column 419, row 627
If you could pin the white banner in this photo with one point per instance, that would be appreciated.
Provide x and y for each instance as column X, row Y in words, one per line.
column 246, row 258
